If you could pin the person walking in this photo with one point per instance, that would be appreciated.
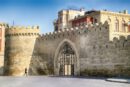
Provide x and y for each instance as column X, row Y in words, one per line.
column 26, row 72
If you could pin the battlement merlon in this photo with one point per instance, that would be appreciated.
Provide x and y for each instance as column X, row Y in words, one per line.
column 22, row 30
column 5, row 25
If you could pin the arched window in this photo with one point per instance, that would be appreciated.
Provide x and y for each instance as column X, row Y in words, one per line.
column 116, row 25
column 123, row 26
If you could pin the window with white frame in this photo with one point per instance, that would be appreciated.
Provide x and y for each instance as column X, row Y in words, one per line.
column 116, row 25
column 123, row 26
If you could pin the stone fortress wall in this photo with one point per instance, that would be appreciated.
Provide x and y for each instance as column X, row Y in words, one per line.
column 96, row 53
column 19, row 46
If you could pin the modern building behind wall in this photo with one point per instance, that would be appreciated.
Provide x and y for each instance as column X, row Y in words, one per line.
column 83, row 43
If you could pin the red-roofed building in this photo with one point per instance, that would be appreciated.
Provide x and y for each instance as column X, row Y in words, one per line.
column 82, row 21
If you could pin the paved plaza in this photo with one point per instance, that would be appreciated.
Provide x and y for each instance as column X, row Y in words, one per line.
column 44, row 81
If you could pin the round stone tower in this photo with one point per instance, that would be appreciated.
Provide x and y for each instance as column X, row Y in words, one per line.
column 19, row 47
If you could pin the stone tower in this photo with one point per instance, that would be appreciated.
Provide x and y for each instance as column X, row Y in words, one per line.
column 19, row 47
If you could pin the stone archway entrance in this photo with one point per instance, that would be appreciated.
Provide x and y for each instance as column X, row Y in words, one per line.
column 67, row 59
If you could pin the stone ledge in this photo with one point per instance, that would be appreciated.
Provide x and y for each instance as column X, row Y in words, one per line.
column 120, row 80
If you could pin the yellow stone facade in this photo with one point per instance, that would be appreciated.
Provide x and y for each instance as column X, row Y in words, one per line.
column 121, row 18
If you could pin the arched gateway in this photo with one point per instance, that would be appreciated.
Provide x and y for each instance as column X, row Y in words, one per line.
column 66, row 60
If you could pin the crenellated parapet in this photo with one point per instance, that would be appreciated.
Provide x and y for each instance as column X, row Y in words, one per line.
column 88, row 28
column 22, row 31
column 122, row 42
column 4, row 25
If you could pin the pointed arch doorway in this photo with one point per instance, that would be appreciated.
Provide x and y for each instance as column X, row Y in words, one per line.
column 66, row 60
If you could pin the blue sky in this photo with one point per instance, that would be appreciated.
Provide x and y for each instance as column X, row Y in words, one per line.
column 43, row 12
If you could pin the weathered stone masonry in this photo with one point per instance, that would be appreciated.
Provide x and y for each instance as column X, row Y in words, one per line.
column 88, row 49
column 20, row 42
column 96, row 55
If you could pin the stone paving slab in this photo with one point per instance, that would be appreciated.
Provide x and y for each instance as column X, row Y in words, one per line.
column 45, row 81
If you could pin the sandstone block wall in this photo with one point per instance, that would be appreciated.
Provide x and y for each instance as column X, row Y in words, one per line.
column 97, row 54
column 19, row 47
column 100, row 56
column 45, row 49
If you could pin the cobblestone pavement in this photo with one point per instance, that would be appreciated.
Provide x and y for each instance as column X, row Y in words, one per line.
column 44, row 81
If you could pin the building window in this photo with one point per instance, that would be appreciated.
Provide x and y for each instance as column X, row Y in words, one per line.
column 95, row 20
column 116, row 26
column 60, row 19
column 91, row 20
column 129, row 26
column 123, row 26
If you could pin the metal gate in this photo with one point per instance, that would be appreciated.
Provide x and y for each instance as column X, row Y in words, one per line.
column 67, row 59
